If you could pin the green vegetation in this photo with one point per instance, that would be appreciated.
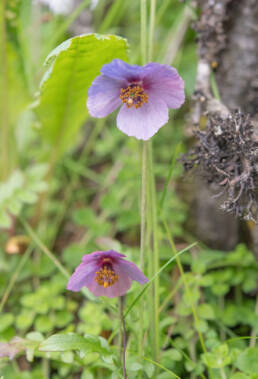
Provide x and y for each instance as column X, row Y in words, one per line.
column 71, row 185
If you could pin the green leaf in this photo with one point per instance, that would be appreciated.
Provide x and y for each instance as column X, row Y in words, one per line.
column 247, row 361
column 44, row 324
column 206, row 311
column 63, row 318
column 35, row 336
column 74, row 65
column 239, row 375
column 5, row 321
column 218, row 358
column 25, row 319
column 72, row 341
column 220, row 289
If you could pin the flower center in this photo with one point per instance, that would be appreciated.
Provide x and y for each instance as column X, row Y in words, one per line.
column 133, row 96
column 106, row 276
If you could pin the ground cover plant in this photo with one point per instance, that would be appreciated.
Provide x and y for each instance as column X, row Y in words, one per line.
column 128, row 194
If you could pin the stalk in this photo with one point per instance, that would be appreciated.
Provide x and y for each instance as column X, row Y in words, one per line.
column 154, row 255
column 121, row 301
column 152, row 219
column 144, row 182
column 152, row 27
column 4, row 93
column 222, row 373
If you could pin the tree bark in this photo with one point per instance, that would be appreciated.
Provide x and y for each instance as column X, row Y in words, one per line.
column 228, row 45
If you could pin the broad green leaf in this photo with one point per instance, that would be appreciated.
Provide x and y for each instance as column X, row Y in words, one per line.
column 247, row 361
column 239, row 375
column 72, row 341
column 73, row 66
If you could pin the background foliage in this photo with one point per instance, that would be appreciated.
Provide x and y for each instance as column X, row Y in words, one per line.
column 93, row 177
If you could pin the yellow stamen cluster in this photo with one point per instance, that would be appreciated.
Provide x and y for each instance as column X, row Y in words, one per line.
column 133, row 96
column 106, row 277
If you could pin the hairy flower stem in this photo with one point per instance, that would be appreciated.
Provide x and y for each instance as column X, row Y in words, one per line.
column 144, row 184
column 121, row 302
column 152, row 218
column 143, row 241
column 154, row 255
column 143, row 31
column 143, row 204
column 4, row 92
column 152, row 27
column 149, row 238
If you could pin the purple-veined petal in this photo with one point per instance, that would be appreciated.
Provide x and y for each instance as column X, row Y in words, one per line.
column 143, row 122
column 118, row 69
column 92, row 257
column 164, row 82
column 104, row 96
column 113, row 254
column 98, row 255
column 130, row 269
column 118, row 289
column 82, row 276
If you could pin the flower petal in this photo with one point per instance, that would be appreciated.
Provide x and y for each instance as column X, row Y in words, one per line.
column 82, row 276
column 104, row 96
column 97, row 255
column 118, row 289
column 143, row 122
column 164, row 82
column 118, row 69
column 130, row 269
column 113, row 254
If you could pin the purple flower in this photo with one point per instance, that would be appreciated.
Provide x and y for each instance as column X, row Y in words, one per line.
column 11, row 348
column 105, row 273
column 145, row 94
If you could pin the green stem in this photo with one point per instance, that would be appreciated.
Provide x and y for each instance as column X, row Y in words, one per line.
column 142, row 245
column 15, row 276
column 173, row 375
column 4, row 92
column 143, row 204
column 123, row 333
column 50, row 255
column 144, row 31
column 144, row 185
column 152, row 28
column 112, row 16
column 155, row 255
column 222, row 373
column 152, row 218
